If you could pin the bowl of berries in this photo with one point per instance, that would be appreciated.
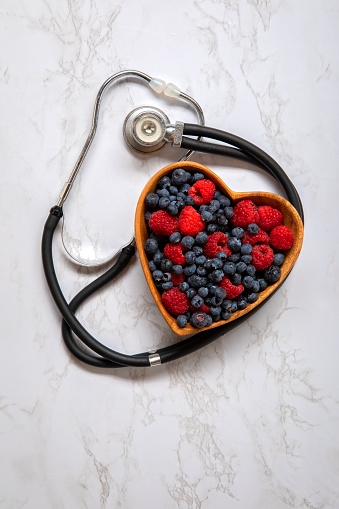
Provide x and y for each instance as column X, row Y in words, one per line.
column 210, row 254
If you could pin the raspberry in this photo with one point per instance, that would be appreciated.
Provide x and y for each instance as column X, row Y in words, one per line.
column 177, row 279
column 262, row 256
column 202, row 191
column 281, row 237
column 175, row 301
column 162, row 223
column 174, row 253
column 261, row 236
column 232, row 291
column 245, row 213
column 269, row 217
column 203, row 308
column 190, row 222
column 216, row 242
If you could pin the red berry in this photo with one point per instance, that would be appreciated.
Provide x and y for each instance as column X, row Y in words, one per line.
column 269, row 217
column 245, row 213
column 202, row 191
column 281, row 237
column 232, row 290
column 190, row 222
column 174, row 253
column 253, row 238
column 262, row 256
column 175, row 301
column 217, row 241
column 162, row 223
column 203, row 308
column 177, row 279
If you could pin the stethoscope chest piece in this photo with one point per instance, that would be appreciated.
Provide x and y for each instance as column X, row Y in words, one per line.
column 144, row 128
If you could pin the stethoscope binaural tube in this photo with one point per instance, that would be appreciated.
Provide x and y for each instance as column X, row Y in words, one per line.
column 107, row 357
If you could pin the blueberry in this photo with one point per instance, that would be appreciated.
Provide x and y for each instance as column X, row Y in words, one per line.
column 190, row 293
column 256, row 286
column 180, row 176
column 199, row 319
column 236, row 279
column 216, row 195
column 216, row 301
column 172, row 209
column 253, row 297
column 226, row 315
column 221, row 255
column 216, row 276
column 238, row 232
column 196, row 281
column 190, row 257
column 147, row 215
column 166, row 265
column 234, row 307
column 166, row 277
column 228, row 211
column 198, row 250
column 184, row 189
column 220, row 293
column 241, row 267
column 222, row 220
column 248, row 282
column 152, row 200
column 212, row 288
column 215, row 310
column 164, row 202
column 182, row 321
column 187, row 241
column 198, row 176
column 229, row 268
column 278, row 259
column 246, row 259
column 201, row 238
column 216, row 263
column 242, row 303
column 225, row 202
column 184, row 286
column 190, row 269
column 175, row 238
column 200, row 260
column 214, row 205
column 211, row 228
column 206, row 216
column 164, row 182
column 189, row 200
column 252, row 228
column 272, row 274
column 152, row 267
column 158, row 256
column 163, row 193
column 208, row 320
column 201, row 271
column 234, row 244
column 262, row 284
column 173, row 190
column 197, row 301
column 208, row 264
column 157, row 275
column 234, row 257
column 246, row 249
column 151, row 246
column 177, row 269
column 167, row 285
column 227, row 305
column 172, row 197
column 250, row 270
column 203, row 291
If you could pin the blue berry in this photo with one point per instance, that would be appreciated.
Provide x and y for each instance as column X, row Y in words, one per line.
column 236, row 279
column 234, row 307
column 184, row 189
column 151, row 246
column 199, row 319
column 214, row 205
column 212, row 288
column 179, row 176
column 215, row 311
column 172, row 197
column 200, row 260
column 163, row 193
column 229, row 268
column 227, row 305
column 238, row 232
column 216, row 263
column 206, row 216
column 220, row 293
column 252, row 228
column 248, row 281
column 250, row 270
column 164, row 182
column 278, row 259
column 173, row 190
column 234, row 244
column 172, row 209
column 246, row 249
column 224, row 201
column 197, row 301
column 175, row 238
column 198, row 250
column 201, row 238
column 190, row 293
column 147, row 215
column 203, row 291
column 222, row 220
column 216, row 276
column 152, row 200
column 187, row 241
column 189, row 200
column 190, row 269
column 182, row 321
column 166, row 277
column 184, row 286
column 211, row 228
column 228, row 211
column 157, row 275
column 221, row 255
column 167, row 285
column 152, row 267
column 166, row 265
column 196, row 281
column 198, row 176
column 241, row 267
column 164, row 202
column 262, row 284
column 256, row 286
column 272, row 274
column 190, row 257
column 201, row 271
column 158, row 256
column 226, row 315
column 177, row 269
column 242, row 304
column 234, row 257
column 252, row 297
column 246, row 259
column 216, row 301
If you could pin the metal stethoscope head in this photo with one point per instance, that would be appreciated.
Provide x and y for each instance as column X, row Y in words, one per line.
column 146, row 129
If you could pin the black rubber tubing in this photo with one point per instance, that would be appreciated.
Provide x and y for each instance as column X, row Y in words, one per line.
column 110, row 358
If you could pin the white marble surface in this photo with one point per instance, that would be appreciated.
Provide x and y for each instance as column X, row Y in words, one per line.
column 248, row 422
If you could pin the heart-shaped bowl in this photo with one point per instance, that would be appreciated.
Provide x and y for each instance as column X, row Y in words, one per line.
column 291, row 219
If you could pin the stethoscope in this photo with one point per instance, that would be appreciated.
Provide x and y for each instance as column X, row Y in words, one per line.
column 148, row 129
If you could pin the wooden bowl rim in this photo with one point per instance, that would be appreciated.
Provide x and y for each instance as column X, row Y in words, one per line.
column 291, row 219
